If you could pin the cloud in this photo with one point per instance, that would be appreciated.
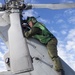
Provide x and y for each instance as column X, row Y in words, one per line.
column 53, row 31
column 60, row 21
column 61, row 51
column 64, row 32
column 3, row 49
column 1, row 55
column 31, row 1
column 66, row 48
column 66, row 55
column 71, row 40
column 71, row 20
column 71, row 34
column 29, row 13
column 2, row 64
column 70, row 45
column 69, row 12
column 35, row 14
column 34, row 1
column 44, row 20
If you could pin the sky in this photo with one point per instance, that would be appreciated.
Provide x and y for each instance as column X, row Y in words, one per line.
column 60, row 22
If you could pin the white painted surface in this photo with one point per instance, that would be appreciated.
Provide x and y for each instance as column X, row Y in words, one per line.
column 19, row 53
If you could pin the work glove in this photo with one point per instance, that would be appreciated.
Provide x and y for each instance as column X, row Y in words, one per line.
column 25, row 27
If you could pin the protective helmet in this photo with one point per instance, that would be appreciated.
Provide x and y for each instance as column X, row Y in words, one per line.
column 33, row 19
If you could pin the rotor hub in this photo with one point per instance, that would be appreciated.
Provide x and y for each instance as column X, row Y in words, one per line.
column 16, row 4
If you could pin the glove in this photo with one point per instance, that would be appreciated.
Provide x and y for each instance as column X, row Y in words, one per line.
column 25, row 27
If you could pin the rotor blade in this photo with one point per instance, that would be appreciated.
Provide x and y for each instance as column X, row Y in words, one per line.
column 54, row 6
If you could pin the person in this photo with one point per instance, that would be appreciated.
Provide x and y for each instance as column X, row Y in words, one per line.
column 41, row 33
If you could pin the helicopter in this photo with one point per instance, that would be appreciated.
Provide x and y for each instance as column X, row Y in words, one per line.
column 18, row 59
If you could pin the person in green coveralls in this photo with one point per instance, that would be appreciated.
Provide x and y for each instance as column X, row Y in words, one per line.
column 41, row 33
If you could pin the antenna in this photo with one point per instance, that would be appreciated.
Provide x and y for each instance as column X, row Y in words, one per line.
column 37, row 17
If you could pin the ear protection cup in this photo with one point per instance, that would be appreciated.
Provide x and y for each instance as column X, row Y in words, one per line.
column 33, row 19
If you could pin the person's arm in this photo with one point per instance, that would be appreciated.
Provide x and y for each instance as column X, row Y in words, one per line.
column 32, row 32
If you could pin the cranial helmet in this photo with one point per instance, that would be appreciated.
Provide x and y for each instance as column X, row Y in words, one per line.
column 33, row 19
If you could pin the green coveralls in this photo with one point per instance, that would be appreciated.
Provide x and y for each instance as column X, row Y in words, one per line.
column 41, row 33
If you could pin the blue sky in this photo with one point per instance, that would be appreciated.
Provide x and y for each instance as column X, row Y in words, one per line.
column 60, row 22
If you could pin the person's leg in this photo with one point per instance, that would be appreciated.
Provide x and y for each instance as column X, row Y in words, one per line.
column 52, row 51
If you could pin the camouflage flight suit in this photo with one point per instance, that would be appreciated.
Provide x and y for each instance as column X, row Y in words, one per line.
column 39, row 32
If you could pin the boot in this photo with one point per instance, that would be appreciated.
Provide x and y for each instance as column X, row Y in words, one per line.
column 57, row 63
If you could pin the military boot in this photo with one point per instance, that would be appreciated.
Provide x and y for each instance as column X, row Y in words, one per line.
column 58, row 65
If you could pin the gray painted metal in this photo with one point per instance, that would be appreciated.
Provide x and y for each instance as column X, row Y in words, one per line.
column 4, row 18
column 4, row 33
column 4, row 26
column 7, row 55
column 20, row 60
column 44, row 66
column 6, row 73
column 54, row 6
column 10, row 73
